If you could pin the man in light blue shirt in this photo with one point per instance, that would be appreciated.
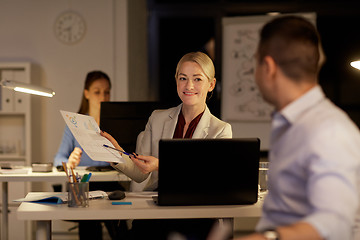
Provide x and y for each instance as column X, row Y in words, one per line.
column 314, row 171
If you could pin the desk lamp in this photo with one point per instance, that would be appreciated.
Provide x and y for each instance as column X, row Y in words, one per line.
column 27, row 88
column 355, row 64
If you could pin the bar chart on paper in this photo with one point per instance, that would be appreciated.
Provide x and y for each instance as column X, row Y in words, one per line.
column 87, row 133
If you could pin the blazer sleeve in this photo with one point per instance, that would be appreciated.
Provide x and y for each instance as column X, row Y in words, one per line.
column 143, row 147
column 130, row 169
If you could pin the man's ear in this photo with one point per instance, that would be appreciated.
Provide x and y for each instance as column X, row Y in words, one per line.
column 270, row 66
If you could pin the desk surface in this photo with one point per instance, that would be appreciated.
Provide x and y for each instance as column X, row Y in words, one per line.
column 141, row 208
column 53, row 176
column 56, row 176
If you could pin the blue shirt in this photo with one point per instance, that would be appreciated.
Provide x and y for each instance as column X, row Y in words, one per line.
column 314, row 171
column 68, row 143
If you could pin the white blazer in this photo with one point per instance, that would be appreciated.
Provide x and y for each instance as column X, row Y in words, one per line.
column 161, row 125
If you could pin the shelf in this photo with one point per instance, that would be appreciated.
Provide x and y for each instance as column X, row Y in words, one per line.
column 11, row 157
column 9, row 113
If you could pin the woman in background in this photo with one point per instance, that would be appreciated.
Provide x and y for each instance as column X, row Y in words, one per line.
column 195, row 80
column 96, row 90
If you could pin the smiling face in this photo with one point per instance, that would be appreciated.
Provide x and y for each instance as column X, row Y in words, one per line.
column 193, row 85
column 99, row 91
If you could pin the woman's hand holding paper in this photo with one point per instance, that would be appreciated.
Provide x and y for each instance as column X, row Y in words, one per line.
column 112, row 140
column 146, row 164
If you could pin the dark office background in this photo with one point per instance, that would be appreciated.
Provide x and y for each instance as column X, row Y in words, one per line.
column 180, row 26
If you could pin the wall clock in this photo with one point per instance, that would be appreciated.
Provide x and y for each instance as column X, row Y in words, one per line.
column 70, row 27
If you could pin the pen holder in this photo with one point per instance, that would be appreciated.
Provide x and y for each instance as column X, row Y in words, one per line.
column 78, row 195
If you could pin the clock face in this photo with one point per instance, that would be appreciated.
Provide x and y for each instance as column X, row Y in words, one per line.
column 70, row 28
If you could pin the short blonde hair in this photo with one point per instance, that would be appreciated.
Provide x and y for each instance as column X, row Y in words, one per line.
column 200, row 58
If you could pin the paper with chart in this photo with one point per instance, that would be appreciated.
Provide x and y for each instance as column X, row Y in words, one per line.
column 87, row 133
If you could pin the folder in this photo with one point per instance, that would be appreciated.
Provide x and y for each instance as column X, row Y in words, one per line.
column 56, row 198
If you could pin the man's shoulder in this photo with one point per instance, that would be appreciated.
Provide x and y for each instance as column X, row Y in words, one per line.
column 326, row 119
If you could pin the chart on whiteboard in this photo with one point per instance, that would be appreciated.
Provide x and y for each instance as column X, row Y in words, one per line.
column 241, row 97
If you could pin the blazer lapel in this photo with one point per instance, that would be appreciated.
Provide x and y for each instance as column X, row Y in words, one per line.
column 170, row 124
column 202, row 128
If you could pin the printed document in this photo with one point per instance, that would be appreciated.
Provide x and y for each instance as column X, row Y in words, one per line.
column 56, row 198
column 87, row 133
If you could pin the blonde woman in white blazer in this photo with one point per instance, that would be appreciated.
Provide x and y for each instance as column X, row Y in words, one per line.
column 195, row 79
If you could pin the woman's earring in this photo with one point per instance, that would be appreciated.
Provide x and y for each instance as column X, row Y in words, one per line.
column 209, row 95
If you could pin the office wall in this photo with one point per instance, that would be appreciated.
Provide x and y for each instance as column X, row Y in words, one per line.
column 27, row 34
column 138, row 85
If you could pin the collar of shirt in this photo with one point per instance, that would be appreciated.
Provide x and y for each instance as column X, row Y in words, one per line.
column 296, row 108
column 179, row 130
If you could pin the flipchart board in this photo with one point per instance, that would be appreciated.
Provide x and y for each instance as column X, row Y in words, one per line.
column 242, row 104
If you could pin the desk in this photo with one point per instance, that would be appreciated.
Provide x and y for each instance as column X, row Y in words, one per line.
column 141, row 208
column 53, row 176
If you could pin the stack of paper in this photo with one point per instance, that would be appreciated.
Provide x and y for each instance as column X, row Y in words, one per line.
column 14, row 171
column 57, row 198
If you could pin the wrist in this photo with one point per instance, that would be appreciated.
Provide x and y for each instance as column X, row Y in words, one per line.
column 271, row 234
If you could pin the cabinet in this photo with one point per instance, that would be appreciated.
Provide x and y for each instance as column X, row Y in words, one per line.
column 15, row 117
column 15, row 138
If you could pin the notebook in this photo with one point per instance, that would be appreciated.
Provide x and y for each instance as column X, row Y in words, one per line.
column 208, row 171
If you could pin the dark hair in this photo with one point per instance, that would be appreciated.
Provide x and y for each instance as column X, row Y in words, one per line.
column 293, row 43
column 90, row 78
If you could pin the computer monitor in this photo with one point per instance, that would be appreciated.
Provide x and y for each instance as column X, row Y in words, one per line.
column 125, row 120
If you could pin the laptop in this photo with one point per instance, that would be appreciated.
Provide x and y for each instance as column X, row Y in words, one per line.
column 208, row 171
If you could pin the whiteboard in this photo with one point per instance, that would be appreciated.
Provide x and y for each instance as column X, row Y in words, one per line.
column 241, row 99
column 241, row 102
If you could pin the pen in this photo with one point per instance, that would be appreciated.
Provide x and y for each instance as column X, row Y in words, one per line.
column 88, row 177
column 73, row 175
column 129, row 154
column 71, row 186
column 78, row 179
column 66, row 170
column 121, row 203
column 84, row 178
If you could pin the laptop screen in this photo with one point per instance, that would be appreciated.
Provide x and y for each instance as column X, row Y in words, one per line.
column 208, row 171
